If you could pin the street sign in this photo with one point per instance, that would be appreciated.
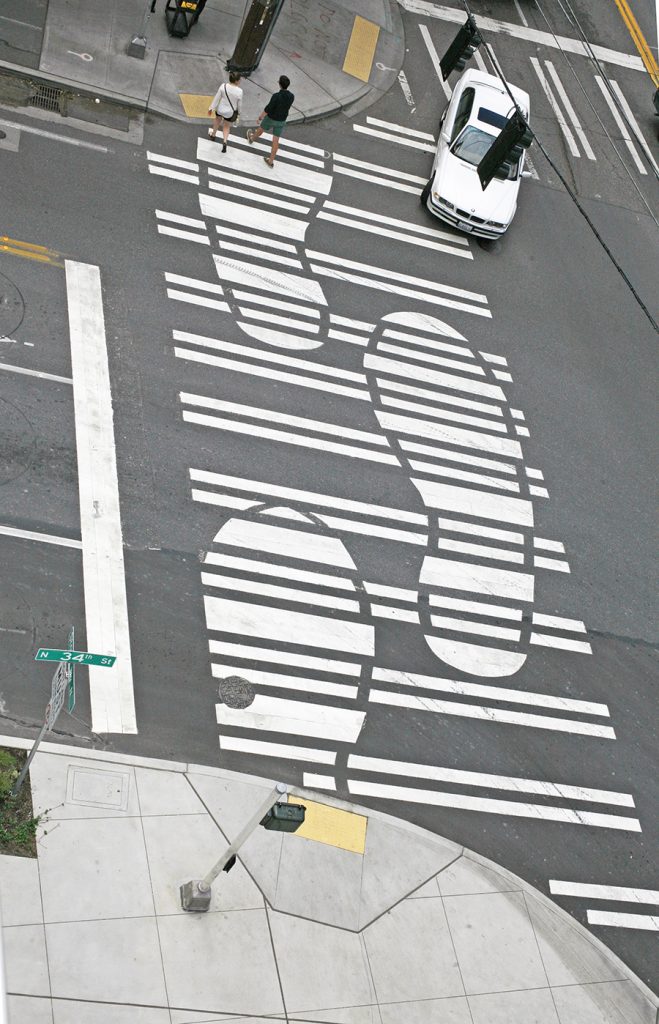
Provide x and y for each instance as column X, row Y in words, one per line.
column 75, row 657
column 71, row 701
column 59, row 687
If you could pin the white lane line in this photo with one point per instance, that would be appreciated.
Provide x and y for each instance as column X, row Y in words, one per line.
column 267, row 300
column 550, row 563
column 375, row 229
column 388, row 137
column 36, row 373
column 506, row 782
column 285, row 173
column 548, row 545
column 624, row 131
column 489, row 714
column 557, row 622
column 344, row 321
column 495, row 611
column 258, row 239
column 305, row 597
column 394, row 593
column 311, row 780
column 175, row 218
column 256, row 183
column 267, row 373
column 434, row 57
column 192, row 282
column 400, row 186
column 539, row 492
column 522, row 16
column 640, row 138
column 286, row 437
column 352, row 339
column 400, row 128
column 460, row 474
column 246, row 193
column 439, row 397
column 391, row 172
column 449, row 414
column 477, row 628
column 576, row 124
column 478, row 579
column 480, row 550
column 284, row 682
column 171, row 161
column 270, row 654
column 553, row 103
column 250, row 565
column 586, row 890
column 104, row 578
column 456, row 16
column 189, row 236
column 407, row 92
column 313, row 498
column 53, row 135
column 419, row 354
column 491, row 806
column 379, row 218
column 561, row 643
column 385, row 611
column 168, row 172
column 198, row 300
column 391, row 275
column 250, row 217
column 274, row 714
column 270, row 416
column 270, row 357
column 642, row 922
column 482, row 690
column 458, row 526
column 294, row 543
column 273, row 257
column 286, row 751
column 44, row 538
column 449, row 434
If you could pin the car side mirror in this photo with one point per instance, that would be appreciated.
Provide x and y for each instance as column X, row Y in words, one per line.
column 444, row 136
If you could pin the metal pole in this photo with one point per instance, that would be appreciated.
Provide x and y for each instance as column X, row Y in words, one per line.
column 21, row 778
column 196, row 894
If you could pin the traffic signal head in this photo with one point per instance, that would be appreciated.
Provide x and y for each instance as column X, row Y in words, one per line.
column 461, row 49
column 506, row 150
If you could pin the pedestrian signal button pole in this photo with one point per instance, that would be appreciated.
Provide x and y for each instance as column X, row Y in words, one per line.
column 273, row 815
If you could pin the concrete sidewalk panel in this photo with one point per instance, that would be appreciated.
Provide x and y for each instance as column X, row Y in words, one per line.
column 26, row 963
column 179, row 849
column 221, row 963
column 20, row 893
column 464, row 877
column 454, row 1010
column 494, row 942
column 111, row 876
column 319, row 882
column 533, row 1007
column 163, row 792
column 65, row 788
column 107, row 961
column 320, row 967
column 73, row 1012
column 610, row 1002
column 28, row 1010
column 340, row 1015
column 428, row 890
column 568, row 954
column 396, row 862
column 411, row 953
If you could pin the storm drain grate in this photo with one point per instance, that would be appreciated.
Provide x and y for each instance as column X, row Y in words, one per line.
column 47, row 97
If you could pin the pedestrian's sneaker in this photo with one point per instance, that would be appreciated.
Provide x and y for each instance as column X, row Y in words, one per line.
column 250, row 136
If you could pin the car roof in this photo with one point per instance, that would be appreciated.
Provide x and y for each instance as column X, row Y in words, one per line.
column 491, row 93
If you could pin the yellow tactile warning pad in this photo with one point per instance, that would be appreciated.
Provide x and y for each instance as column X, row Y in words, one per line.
column 361, row 48
column 332, row 826
column 195, row 105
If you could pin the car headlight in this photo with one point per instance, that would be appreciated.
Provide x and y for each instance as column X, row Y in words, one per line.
column 444, row 202
column 495, row 224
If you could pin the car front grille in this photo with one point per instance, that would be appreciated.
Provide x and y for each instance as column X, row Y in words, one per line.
column 469, row 216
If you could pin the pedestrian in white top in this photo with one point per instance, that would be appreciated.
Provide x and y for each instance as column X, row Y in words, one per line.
column 225, row 108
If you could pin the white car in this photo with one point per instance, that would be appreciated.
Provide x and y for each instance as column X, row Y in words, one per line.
column 475, row 115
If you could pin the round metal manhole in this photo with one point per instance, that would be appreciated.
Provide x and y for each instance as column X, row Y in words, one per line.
column 12, row 307
column 236, row 692
column 3, row 135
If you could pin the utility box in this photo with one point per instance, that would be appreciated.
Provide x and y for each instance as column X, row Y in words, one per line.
column 284, row 817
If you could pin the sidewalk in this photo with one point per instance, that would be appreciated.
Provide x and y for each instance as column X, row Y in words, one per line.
column 358, row 918
column 82, row 45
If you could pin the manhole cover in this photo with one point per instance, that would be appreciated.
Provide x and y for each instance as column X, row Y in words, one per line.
column 3, row 135
column 236, row 692
column 12, row 307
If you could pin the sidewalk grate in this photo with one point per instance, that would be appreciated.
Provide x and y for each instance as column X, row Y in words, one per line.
column 47, row 97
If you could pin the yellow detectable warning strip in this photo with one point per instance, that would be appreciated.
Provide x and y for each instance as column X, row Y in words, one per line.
column 361, row 49
column 639, row 39
column 332, row 826
column 194, row 104
column 30, row 251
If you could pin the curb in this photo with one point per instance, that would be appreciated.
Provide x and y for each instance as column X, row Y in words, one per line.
column 428, row 837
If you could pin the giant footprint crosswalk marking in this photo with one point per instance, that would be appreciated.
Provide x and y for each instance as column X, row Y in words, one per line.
column 306, row 621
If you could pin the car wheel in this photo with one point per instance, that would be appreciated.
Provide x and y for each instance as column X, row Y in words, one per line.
column 425, row 194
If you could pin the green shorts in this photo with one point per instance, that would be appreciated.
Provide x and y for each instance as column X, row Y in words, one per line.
column 274, row 127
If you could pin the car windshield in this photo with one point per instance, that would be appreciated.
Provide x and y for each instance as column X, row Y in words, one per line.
column 472, row 145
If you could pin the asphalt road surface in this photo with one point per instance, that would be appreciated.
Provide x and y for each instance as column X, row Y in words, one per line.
column 379, row 516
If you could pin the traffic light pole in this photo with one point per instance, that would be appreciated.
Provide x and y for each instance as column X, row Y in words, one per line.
column 196, row 894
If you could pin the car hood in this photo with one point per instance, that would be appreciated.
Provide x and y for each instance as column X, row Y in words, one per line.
column 459, row 183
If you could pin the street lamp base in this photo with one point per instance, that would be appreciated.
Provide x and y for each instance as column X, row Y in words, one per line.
column 137, row 47
column 195, row 896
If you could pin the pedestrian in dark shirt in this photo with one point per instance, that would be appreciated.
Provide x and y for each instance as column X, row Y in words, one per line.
column 273, row 118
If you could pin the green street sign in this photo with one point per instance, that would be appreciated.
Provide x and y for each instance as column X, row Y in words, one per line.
column 75, row 657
